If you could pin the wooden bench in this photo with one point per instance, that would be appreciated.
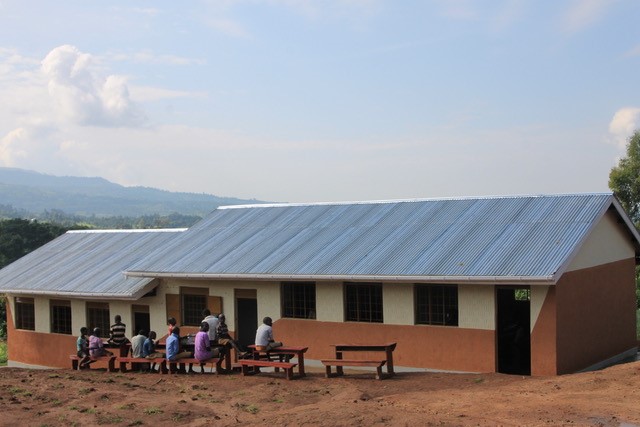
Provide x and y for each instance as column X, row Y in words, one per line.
column 111, row 361
column 328, row 363
column 167, row 366
column 247, row 364
column 124, row 360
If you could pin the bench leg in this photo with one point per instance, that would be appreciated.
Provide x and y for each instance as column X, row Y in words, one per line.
column 112, row 364
column 245, row 370
column 74, row 364
column 289, row 373
column 327, row 371
column 379, row 372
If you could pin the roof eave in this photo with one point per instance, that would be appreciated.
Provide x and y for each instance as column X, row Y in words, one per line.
column 534, row 280
column 69, row 294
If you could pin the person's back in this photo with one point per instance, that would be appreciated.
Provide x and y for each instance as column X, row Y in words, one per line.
column 173, row 344
column 149, row 346
column 96, row 348
column 202, row 348
column 118, row 332
column 137, row 343
column 213, row 322
column 264, row 336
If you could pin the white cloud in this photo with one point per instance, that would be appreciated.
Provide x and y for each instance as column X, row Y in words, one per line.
column 85, row 97
column 584, row 13
column 625, row 121
column 635, row 51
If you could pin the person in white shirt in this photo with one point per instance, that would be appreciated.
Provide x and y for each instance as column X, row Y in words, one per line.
column 264, row 336
column 137, row 342
column 213, row 322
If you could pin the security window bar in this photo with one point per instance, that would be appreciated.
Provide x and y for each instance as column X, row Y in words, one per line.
column 299, row 300
column 61, row 317
column 192, row 306
column 25, row 314
column 436, row 305
column 98, row 317
column 363, row 302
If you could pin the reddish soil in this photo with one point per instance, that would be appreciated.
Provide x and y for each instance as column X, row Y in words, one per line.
column 610, row 397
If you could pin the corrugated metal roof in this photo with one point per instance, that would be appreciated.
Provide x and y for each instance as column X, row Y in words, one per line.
column 85, row 263
column 475, row 239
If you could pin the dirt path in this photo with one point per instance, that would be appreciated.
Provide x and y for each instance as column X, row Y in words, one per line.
column 66, row 398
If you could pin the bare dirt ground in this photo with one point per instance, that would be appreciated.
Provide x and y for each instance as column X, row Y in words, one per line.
column 610, row 397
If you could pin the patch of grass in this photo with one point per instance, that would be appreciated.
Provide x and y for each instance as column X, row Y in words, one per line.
column 153, row 411
column 638, row 323
column 108, row 419
column 3, row 353
column 127, row 406
column 84, row 391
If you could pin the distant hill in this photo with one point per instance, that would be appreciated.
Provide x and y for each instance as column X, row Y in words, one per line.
column 35, row 192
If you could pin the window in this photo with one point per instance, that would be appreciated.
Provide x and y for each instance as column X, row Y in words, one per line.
column 98, row 317
column 436, row 305
column 193, row 301
column 363, row 302
column 60, row 317
column 299, row 300
column 25, row 314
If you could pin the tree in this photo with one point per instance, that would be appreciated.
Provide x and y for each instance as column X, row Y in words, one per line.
column 624, row 181
column 18, row 237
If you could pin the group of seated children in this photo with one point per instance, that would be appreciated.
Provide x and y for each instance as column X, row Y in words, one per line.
column 213, row 330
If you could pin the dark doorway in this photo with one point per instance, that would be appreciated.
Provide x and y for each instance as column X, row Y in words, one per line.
column 246, row 320
column 514, row 340
column 141, row 319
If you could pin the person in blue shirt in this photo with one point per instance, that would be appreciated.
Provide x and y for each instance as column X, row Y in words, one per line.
column 149, row 349
column 173, row 346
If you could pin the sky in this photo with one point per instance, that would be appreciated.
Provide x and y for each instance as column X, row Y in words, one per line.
column 322, row 100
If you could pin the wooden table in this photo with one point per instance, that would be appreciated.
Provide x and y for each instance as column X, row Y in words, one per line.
column 386, row 348
column 297, row 352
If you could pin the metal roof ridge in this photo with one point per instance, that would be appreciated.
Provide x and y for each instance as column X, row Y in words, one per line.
column 408, row 200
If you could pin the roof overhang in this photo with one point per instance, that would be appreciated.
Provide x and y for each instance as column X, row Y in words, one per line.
column 133, row 296
column 485, row 280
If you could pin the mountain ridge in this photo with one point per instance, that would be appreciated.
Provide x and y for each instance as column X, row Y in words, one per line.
column 86, row 196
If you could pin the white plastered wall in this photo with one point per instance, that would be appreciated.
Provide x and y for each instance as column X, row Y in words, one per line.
column 268, row 298
column 397, row 303
column 538, row 295
column 608, row 242
column 78, row 316
column 42, row 314
column 329, row 302
column 476, row 307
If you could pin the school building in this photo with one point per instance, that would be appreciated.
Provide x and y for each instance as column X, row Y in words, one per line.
column 539, row 285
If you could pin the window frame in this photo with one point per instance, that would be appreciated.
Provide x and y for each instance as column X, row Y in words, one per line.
column 191, row 311
column 440, row 306
column 25, row 313
column 368, row 300
column 298, row 300
column 98, row 315
column 60, row 316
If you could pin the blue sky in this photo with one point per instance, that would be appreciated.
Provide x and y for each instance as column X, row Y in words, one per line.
column 301, row 100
